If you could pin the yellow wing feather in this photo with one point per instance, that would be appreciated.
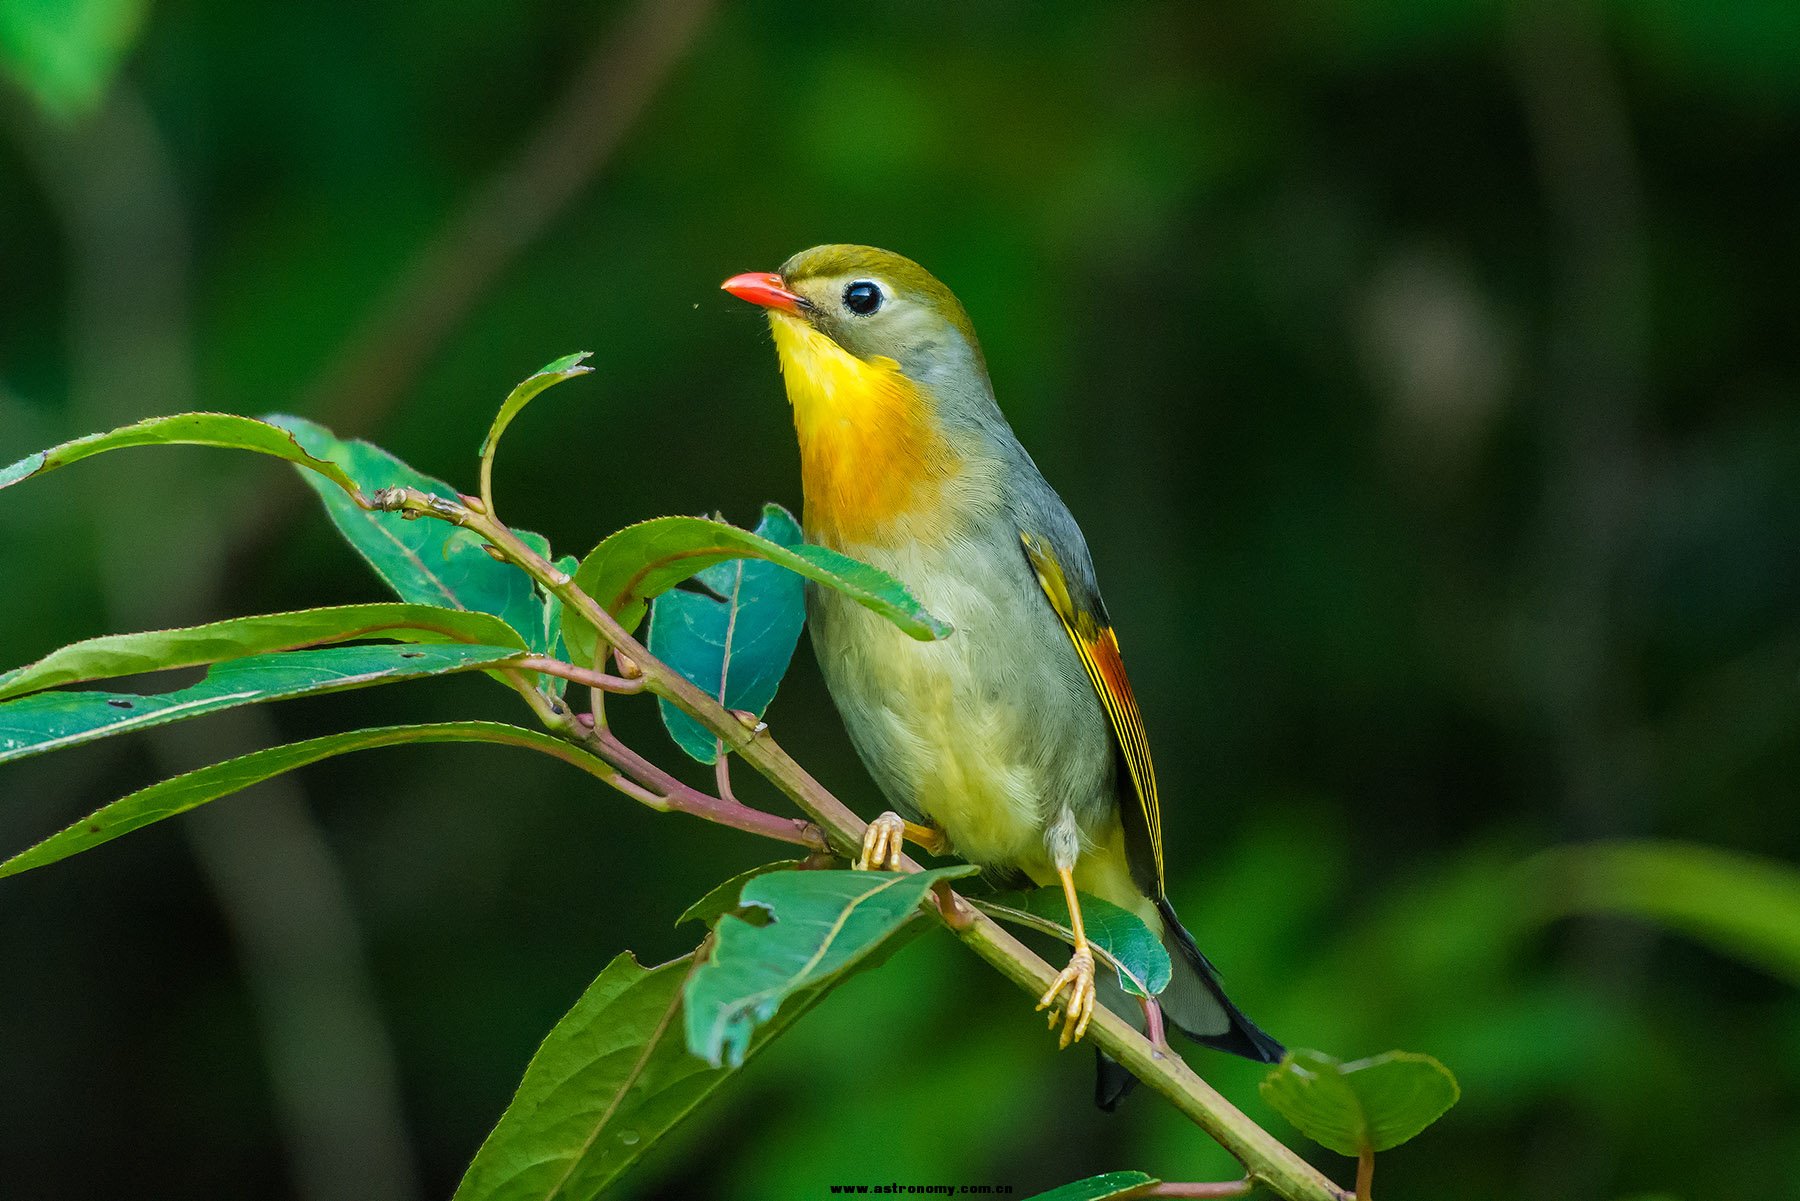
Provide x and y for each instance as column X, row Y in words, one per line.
column 1098, row 648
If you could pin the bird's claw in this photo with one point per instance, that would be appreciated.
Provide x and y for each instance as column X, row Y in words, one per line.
column 884, row 843
column 1075, row 1009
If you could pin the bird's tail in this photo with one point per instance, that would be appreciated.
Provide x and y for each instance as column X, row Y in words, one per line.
column 1194, row 1003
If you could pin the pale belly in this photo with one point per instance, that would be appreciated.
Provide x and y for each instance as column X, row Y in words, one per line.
column 988, row 734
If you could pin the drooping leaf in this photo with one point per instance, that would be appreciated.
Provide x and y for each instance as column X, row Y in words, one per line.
column 424, row 561
column 176, row 796
column 724, row 898
column 159, row 650
column 65, row 52
column 48, row 721
column 735, row 649
column 1099, row 1188
column 610, row 1080
column 188, row 429
column 1745, row 906
column 549, row 375
column 1117, row 935
column 647, row 559
column 822, row 923
column 1372, row 1104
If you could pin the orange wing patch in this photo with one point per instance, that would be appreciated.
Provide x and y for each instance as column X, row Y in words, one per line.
column 1098, row 648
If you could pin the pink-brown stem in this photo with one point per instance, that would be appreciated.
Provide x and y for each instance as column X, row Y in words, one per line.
column 581, row 675
column 1173, row 1188
column 722, row 771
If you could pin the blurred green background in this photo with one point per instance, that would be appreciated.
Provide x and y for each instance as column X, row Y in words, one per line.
column 1422, row 372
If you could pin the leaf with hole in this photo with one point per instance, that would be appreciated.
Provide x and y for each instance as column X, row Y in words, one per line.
column 1369, row 1105
column 821, row 923
column 115, row 655
column 48, row 721
column 188, row 429
column 425, row 561
column 734, row 645
column 1120, row 937
column 645, row 560
column 723, row 899
column 185, row 792
column 609, row 1081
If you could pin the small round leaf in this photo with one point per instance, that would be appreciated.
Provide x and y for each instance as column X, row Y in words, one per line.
column 1371, row 1104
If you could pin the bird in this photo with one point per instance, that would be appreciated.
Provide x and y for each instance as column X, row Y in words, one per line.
column 1014, row 743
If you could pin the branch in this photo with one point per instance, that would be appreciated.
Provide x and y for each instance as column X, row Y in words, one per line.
column 581, row 675
column 1266, row 1160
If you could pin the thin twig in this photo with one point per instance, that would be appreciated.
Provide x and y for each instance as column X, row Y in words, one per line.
column 1265, row 1158
column 722, row 770
column 580, row 675
column 1208, row 1188
column 644, row 781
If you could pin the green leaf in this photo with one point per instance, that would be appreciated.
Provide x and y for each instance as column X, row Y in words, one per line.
column 424, row 561
column 196, row 788
column 1372, row 1104
column 1118, row 935
column 65, row 52
column 1745, row 906
column 159, row 650
column 1099, row 1188
column 724, row 898
column 647, row 559
column 185, row 429
column 48, row 721
column 736, row 649
column 609, row 1081
column 565, row 368
column 823, row 923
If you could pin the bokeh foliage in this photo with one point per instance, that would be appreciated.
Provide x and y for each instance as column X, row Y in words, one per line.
column 1422, row 374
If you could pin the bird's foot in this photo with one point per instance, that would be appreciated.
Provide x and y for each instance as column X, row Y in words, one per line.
column 1075, row 1009
column 884, row 842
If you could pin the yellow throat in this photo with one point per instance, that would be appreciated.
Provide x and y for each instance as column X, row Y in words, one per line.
column 873, row 462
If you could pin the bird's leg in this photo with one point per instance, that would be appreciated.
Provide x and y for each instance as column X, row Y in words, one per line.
column 1077, row 1008
column 884, row 842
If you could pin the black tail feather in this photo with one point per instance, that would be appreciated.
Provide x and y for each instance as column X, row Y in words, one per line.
column 1214, row 1021
column 1195, row 1004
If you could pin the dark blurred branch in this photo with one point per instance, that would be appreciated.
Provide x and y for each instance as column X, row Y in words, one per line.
column 1592, row 395
column 508, row 212
column 500, row 219
column 271, row 871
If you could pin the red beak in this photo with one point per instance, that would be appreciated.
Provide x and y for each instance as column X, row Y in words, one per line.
column 767, row 289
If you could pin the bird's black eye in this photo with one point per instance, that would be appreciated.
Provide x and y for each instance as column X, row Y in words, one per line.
column 862, row 297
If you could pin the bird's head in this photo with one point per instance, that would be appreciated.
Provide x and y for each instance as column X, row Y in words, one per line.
column 887, row 384
column 854, row 310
